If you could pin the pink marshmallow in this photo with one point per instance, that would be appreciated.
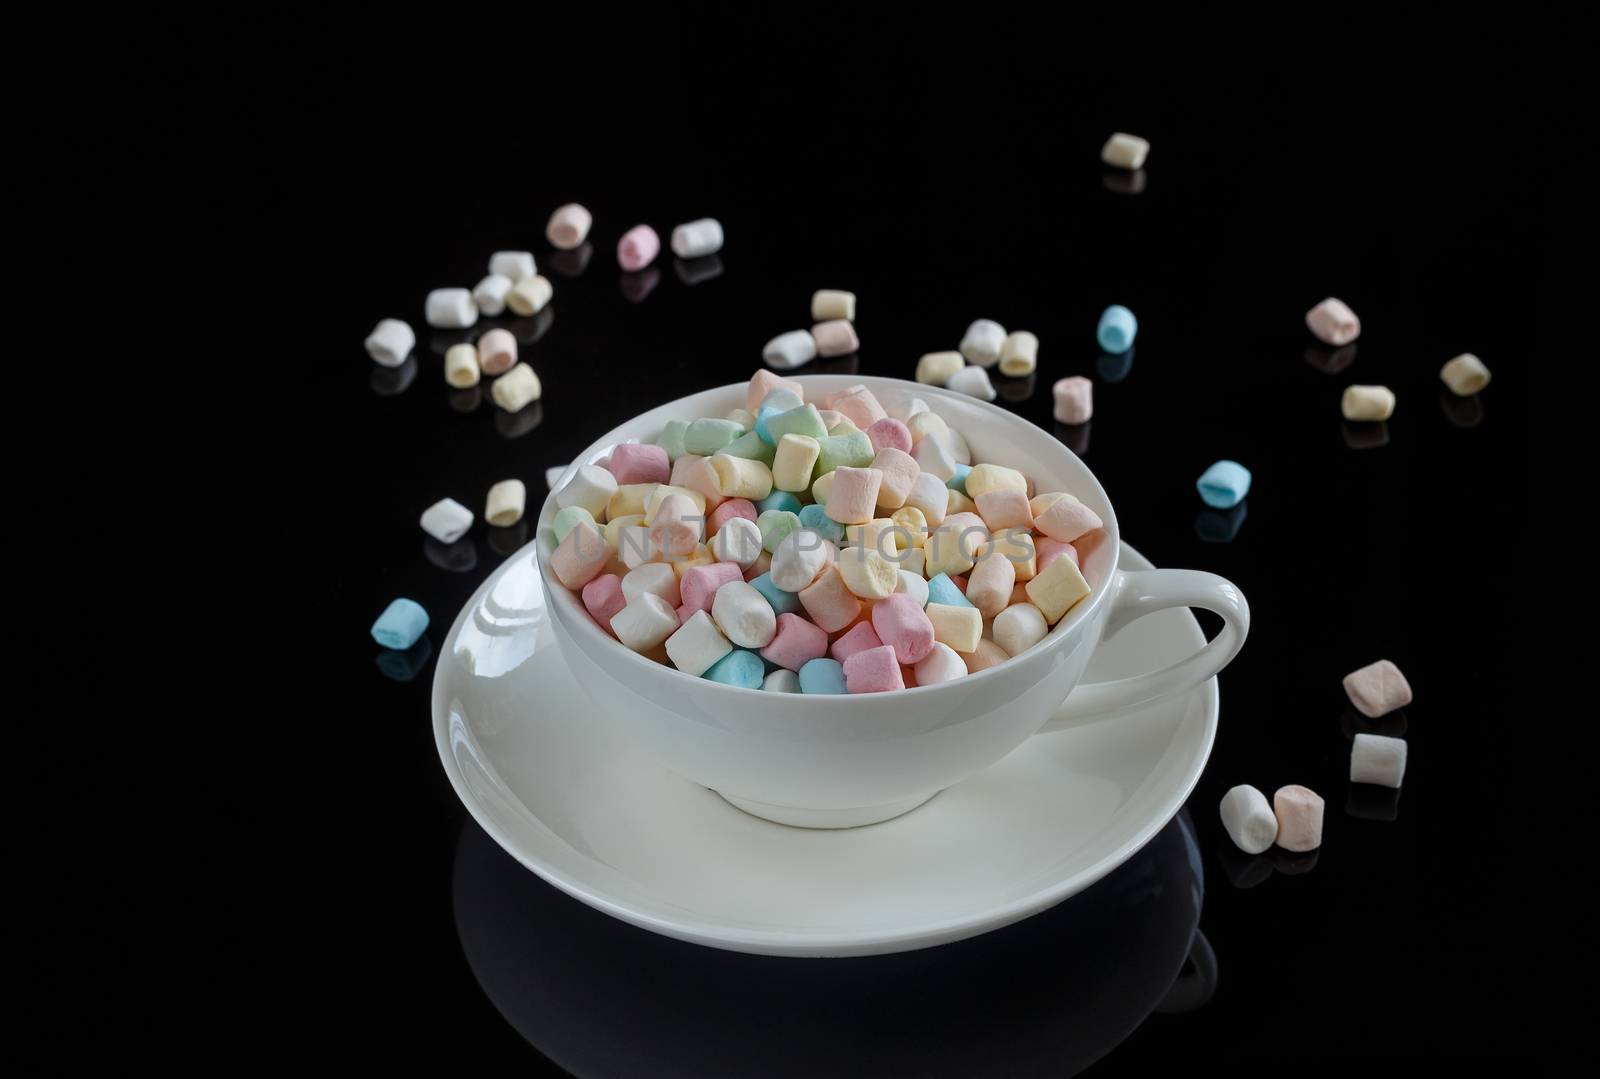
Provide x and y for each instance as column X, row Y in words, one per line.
column 733, row 507
column 860, row 638
column 685, row 613
column 1049, row 550
column 899, row 470
column 988, row 654
column 683, row 467
column 602, row 598
column 901, row 624
column 796, row 643
column 699, row 584
column 1074, row 400
column 675, row 530
column 836, row 337
column 1067, row 519
column 831, row 605
column 1377, row 689
column 1333, row 323
column 830, row 419
column 875, row 670
column 699, row 478
column 890, row 433
column 764, row 382
column 497, row 351
column 632, row 462
column 990, row 583
column 1004, row 509
column 638, row 247
column 854, row 496
column 856, row 403
column 581, row 556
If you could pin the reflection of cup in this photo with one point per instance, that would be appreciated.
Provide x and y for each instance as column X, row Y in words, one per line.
column 1058, row 991
column 518, row 423
column 1365, row 436
column 856, row 759
column 1114, row 366
column 458, row 557
column 698, row 271
column 389, row 381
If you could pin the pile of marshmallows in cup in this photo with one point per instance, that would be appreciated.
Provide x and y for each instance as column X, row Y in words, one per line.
column 840, row 548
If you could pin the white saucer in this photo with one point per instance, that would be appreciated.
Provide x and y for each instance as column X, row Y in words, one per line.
column 607, row 825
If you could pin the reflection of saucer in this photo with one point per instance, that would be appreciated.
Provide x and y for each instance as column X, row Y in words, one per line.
column 602, row 821
column 1048, row 996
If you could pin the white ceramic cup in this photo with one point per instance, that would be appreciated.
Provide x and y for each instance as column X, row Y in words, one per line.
column 852, row 759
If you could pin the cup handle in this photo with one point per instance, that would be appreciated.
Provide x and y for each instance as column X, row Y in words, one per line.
column 1141, row 592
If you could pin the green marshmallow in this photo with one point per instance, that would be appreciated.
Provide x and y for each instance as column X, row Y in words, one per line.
column 671, row 439
column 774, row 526
column 750, row 446
column 568, row 519
column 853, row 450
column 797, row 421
column 705, row 437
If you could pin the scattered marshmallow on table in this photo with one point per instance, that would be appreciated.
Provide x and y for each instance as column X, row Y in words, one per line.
column 638, row 248
column 1224, row 485
column 1074, row 398
column 497, row 351
column 790, row 350
column 696, row 239
column 1333, row 323
column 835, row 337
column 490, row 294
column 446, row 520
column 529, row 296
column 450, row 309
column 517, row 388
column 506, row 502
column 390, row 342
column 1299, row 813
column 1124, row 151
column 1377, row 759
column 1019, row 354
column 972, row 381
column 935, row 368
column 1248, row 819
column 568, row 227
column 828, row 304
column 982, row 342
column 514, row 265
column 400, row 624
column 461, row 368
column 1367, row 403
column 1465, row 375
column 1117, row 329
column 1377, row 689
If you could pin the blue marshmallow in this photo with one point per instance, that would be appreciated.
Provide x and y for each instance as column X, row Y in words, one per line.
column 400, row 624
column 816, row 518
column 822, row 676
column 782, row 602
column 958, row 482
column 942, row 589
column 766, row 413
column 738, row 668
column 779, row 500
column 1117, row 329
column 1224, row 484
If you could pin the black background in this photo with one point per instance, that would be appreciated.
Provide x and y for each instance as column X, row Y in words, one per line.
column 1416, row 204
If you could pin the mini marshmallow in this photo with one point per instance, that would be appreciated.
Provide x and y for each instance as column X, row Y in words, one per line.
column 654, row 577
column 506, row 502
column 675, row 527
column 739, row 477
column 799, row 558
column 400, row 624
column 989, row 585
column 497, row 351
column 390, row 342
column 835, row 337
column 1333, row 323
column 603, row 599
column 1224, row 485
column 1248, row 819
column 744, row 615
column 737, row 668
column 1057, row 589
column 828, row 304
column 529, row 296
column 1004, row 509
column 822, row 676
column 580, row 557
column 867, row 573
column 639, row 463
column 913, row 584
column 1074, row 398
column 959, row 627
column 796, row 456
column 461, row 366
column 974, row 382
column 764, row 382
column 935, row 368
column 853, row 496
column 982, row 343
column 517, row 388
column 1124, row 151
column 899, row 621
column 446, row 520
column 698, row 585
column 781, row 680
column 568, row 227
column 635, row 547
column 696, row 644
column 490, row 294
column 514, row 265
column 1019, row 627
column 671, row 438
column 738, row 541
column 932, row 456
column 890, row 433
column 899, row 472
column 930, row 495
column 795, row 643
column 708, row 435
column 1299, row 813
column 1465, row 375
column 924, row 424
column 629, row 500
column 614, row 526
column 859, row 638
column 789, row 350
column 986, row 477
column 1117, row 329
column 986, row 655
column 566, row 520
column 645, row 621
column 941, row 664
column 857, row 404
column 450, row 309
column 697, row 239
column 848, row 449
column 1019, row 354
column 660, row 494
column 590, row 487
column 874, row 670
column 829, row 602
column 1066, row 519
column 774, row 526
column 1367, row 403
column 1377, row 689
column 638, row 248
column 1377, row 759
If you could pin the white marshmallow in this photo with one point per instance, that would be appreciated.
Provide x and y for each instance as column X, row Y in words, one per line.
column 956, row 443
column 789, row 350
column 568, row 227
column 737, row 541
column 390, row 342
column 903, row 406
column 1124, row 151
column 781, row 680
column 512, row 265
column 913, row 561
column 507, row 500
column 646, row 621
column 1377, row 759
column 982, row 343
column 930, row 495
column 1248, row 819
column 943, row 664
column 743, row 418
column 1465, row 375
column 553, row 474
column 461, row 365
column 797, row 561
column 744, row 615
column 1367, row 403
column 591, row 488
column 935, row 368
column 912, row 584
column 933, row 457
column 635, row 547
column 490, row 294
column 529, row 295
column 656, row 578
column 446, row 520
column 450, row 309
column 1019, row 627
column 832, row 303
column 1019, row 354
column 697, row 238
column 517, row 388
column 697, row 644
column 973, row 381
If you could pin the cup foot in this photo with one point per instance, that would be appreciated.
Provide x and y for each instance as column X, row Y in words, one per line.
column 854, row 817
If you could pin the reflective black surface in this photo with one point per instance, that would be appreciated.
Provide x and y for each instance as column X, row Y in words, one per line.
column 1402, row 936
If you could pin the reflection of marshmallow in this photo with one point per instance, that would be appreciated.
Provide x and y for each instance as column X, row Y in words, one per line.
column 1248, row 819
column 1379, row 760
column 1124, row 151
column 390, row 342
column 450, row 309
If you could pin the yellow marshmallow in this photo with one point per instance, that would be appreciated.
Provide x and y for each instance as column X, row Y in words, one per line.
column 926, row 423
column 867, row 573
column 792, row 464
column 985, row 478
column 959, row 627
column 701, row 557
column 653, row 502
column 1057, row 589
column 820, row 489
column 960, row 503
column 944, row 552
column 915, row 522
column 615, row 526
column 740, row 477
column 1010, row 545
column 629, row 500
column 1039, row 503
